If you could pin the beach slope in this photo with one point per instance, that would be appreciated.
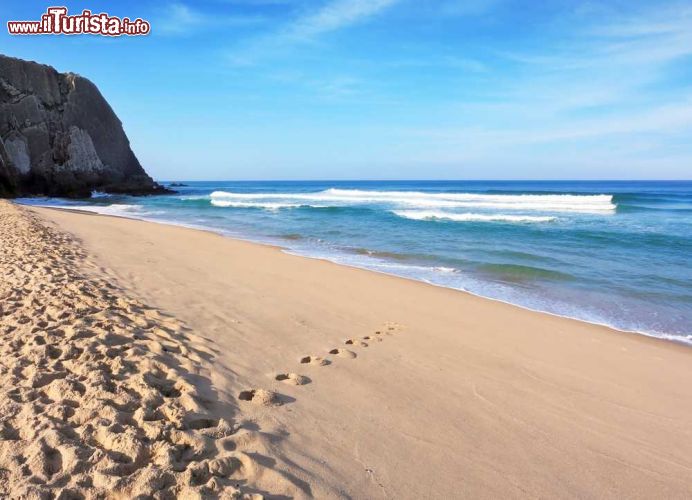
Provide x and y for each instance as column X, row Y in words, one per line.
column 386, row 387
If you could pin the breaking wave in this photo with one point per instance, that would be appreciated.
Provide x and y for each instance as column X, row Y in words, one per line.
column 249, row 204
column 601, row 203
column 469, row 217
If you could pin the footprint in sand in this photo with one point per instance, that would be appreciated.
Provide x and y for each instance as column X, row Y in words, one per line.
column 260, row 397
column 391, row 327
column 371, row 338
column 344, row 353
column 292, row 378
column 355, row 342
column 314, row 360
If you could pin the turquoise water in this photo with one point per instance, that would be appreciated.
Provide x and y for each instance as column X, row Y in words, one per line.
column 616, row 253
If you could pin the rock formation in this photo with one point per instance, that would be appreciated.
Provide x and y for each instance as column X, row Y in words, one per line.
column 59, row 136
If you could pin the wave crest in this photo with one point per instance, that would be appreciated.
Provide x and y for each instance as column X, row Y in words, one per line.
column 249, row 204
column 600, row 203
column 469, row 217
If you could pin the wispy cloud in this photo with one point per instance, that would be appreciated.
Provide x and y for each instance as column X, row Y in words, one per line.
column 659, row 120
column 181, row 19
column 652, row 37
column 331, row 16
column 601, row 86
column 466, row 7
column 675, row 19
column 465, row 64
column 327, row 87
column 618, row 61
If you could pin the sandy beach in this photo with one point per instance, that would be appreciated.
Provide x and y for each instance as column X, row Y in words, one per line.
column 146, row 359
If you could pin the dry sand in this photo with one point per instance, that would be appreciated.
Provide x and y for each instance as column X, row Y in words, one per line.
column 252, row 369
column 100, row 394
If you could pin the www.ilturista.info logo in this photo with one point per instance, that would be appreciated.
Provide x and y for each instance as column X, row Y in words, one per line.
column 56, row 21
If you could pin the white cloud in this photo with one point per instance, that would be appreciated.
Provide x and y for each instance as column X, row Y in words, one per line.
column 670, row 20
column 615, row 63
column 181, row 19
column 331, row 16
column 466, row 7
column 606, row 89
column 465, row 64
column 335, row 15
column 659, row 120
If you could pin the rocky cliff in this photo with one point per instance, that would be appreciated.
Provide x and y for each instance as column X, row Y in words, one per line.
column 59, row 136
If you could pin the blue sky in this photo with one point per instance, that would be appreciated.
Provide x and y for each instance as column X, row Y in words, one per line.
column 414, row 89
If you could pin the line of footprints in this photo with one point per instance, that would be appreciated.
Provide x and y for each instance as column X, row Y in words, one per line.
column 269, row 398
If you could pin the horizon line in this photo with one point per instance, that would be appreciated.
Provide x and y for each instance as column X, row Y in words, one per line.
column 425, row 180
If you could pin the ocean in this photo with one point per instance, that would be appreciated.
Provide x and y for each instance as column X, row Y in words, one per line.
column 609, row 252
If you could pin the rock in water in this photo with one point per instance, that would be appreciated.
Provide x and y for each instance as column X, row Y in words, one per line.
column 59, row 137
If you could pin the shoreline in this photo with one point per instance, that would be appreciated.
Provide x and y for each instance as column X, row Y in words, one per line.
column 667, row 337
column 337, row 382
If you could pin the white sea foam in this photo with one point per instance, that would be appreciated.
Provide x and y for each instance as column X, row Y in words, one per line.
column 250, row 204
column 442, row 269
column 193, row 197
column 114, row 209
column 418, row 199
column 100, row 194
column 469, row 217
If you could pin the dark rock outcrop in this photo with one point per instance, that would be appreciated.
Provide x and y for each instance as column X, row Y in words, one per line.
column 59, row 137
